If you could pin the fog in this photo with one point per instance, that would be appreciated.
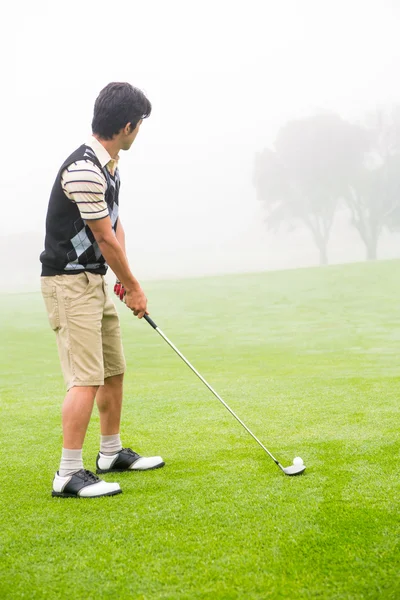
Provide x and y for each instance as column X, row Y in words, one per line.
column 223, row 78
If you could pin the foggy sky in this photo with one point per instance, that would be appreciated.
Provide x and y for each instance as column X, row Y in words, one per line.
column 223, row 77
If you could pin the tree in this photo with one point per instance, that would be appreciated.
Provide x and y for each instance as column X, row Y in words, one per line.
column 373, row 196
column 311, row 167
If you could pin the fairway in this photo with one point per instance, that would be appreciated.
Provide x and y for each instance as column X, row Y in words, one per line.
column 309, row 359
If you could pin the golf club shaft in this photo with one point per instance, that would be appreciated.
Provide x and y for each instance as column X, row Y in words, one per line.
column 153, row 324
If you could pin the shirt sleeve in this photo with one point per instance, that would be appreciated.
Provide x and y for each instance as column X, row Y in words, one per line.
column 84, row 184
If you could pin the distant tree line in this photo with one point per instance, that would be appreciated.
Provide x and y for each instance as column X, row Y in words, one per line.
column 323, row 162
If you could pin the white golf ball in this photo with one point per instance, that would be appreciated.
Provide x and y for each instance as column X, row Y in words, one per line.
column 298, row 461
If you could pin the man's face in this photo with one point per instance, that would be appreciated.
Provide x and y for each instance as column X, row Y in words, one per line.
column 128, row 135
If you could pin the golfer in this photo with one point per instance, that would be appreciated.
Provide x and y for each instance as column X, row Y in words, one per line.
column 83, row 236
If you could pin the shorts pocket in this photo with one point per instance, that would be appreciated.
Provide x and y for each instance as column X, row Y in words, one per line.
column 76, row 287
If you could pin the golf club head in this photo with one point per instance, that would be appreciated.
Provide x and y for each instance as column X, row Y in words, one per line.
column 294, row 469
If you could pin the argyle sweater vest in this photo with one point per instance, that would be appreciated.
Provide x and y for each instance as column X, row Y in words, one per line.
column 70, row 246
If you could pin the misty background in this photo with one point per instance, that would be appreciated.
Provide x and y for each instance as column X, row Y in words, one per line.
column 225, row 78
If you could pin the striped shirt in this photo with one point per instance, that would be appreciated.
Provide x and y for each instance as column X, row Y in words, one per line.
column 85, row 184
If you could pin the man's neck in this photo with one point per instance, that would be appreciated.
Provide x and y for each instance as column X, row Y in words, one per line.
column 112, row 146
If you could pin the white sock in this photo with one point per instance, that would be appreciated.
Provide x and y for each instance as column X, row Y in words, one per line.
column 71, row 462
column 110, row 444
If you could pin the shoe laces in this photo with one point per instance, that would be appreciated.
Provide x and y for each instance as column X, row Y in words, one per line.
column 89, row 476
column 130, row 452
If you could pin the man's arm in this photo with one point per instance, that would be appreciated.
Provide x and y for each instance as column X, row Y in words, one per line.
column 85, row 184
column 120, row 235
column 114, row 253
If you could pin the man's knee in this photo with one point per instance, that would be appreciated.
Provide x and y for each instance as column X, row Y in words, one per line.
column 114, row 380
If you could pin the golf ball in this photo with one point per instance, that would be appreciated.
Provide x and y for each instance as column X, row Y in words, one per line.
column 298, row 461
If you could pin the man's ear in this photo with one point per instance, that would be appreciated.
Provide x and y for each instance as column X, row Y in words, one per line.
column 128, row 129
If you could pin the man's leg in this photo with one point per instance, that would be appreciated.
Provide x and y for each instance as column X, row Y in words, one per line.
column 109, row 395
column 72, row 479
column 109, row 403
column 75, row 307
column 76, row 413
column 112, row 457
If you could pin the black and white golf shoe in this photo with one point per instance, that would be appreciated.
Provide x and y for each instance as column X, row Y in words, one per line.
column 127, row 460
column 83, row 484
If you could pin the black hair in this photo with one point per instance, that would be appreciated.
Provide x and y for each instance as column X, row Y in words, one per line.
column 115, row 106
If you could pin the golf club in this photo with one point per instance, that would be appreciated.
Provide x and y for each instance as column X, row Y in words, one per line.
column 295, row 469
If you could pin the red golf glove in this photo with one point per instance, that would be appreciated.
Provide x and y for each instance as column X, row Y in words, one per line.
column 119, row 289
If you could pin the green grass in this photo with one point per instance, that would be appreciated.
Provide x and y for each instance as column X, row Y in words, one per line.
column 310, row 359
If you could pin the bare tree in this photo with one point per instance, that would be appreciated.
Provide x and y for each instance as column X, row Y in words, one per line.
column 301, row 181
column 373, row 196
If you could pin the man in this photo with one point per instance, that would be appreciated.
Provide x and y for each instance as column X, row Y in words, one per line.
column 83, row 235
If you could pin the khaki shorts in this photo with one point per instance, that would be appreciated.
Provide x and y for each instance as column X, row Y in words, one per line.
column 87, row 328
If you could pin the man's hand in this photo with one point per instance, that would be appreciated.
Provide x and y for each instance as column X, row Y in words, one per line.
column 134, row 299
